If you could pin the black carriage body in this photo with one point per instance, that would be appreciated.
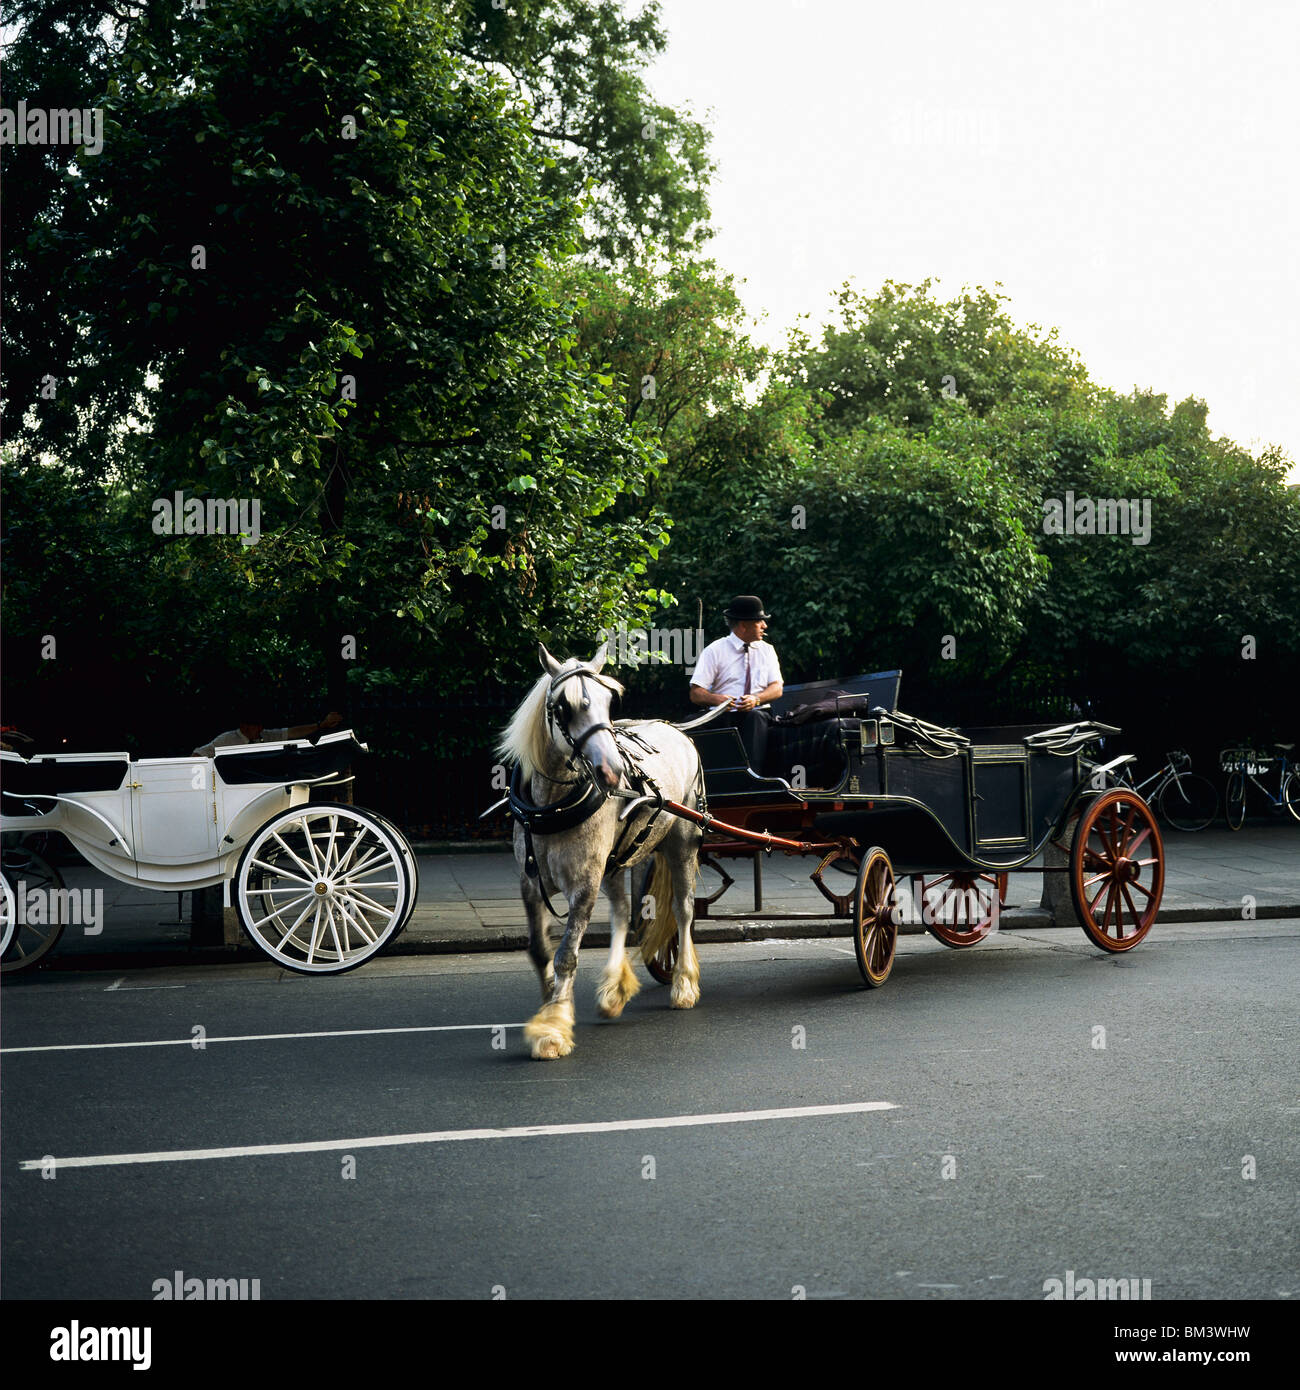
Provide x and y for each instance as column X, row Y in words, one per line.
column 989, row 804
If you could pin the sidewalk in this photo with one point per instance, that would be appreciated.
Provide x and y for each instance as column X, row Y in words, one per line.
column 469, row 901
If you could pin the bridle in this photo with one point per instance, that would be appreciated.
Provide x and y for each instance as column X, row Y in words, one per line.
column 558, row 711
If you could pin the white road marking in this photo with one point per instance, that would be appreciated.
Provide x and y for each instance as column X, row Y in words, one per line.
column 447, row 1136
column 258, row 1037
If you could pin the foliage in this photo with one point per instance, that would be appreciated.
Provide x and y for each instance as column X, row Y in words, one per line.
column 578, row 65
column 899, row 353
column 290, row 196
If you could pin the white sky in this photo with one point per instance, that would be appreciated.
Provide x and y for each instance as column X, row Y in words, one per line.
column 1126, row 168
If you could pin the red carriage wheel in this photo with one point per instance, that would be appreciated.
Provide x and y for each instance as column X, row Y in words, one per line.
column 960, row 909
column 1117, row 869
column 875, row 917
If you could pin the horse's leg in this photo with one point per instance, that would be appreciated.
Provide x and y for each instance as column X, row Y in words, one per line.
column 683, row 858
column 618, row 982
column 540, row 920
column 550, row 1030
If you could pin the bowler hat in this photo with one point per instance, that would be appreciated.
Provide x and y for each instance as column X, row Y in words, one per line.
column 746, row 608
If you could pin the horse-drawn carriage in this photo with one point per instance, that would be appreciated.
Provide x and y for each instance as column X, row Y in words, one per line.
column 320, row 887
column 863, row 786
column 887, row 796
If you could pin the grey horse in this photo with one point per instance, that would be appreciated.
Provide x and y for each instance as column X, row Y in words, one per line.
column 586, row 794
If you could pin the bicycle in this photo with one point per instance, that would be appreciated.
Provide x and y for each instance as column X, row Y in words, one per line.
column 1184, row 798
column 1240, row 764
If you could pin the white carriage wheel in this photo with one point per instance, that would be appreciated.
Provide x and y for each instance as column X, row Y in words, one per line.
column 321, row 888
column 27, row 943
column 408, row 862
column 8, row 915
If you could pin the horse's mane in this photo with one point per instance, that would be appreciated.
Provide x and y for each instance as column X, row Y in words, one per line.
column 526, row 738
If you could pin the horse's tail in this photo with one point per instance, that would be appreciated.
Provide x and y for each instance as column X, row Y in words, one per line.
column 657, row 934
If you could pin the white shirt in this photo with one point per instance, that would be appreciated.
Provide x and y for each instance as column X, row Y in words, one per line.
column 721, row 667
column 235, row 736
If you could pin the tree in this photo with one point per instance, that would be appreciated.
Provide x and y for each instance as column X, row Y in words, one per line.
column 314, row 266
column 578, row 65
column 900, row 352
column 870, row 553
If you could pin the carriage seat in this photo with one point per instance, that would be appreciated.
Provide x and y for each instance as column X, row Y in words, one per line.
column 815, row 723
column 61, row 774
column 294, row 761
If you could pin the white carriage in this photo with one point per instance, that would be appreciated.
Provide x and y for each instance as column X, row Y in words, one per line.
column 319, row 886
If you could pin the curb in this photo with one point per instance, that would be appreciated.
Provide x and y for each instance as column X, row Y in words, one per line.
column 499, row 939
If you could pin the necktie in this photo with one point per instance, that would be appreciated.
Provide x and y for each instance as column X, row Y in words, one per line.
column 746, row 690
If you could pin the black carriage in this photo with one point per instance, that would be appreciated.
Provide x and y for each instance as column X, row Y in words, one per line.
column 883, row 795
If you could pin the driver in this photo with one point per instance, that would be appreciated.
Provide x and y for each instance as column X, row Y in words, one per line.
column 742, row 671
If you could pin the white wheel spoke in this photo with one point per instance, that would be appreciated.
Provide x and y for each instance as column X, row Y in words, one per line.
column 378, row 853
column 285, row 936
column 308, row 872
column 345, row 863
column 315, row 937
column 277, row 912
column 310, row 836
column 329, row 849
column 278, row 869
column 339, row 948
column 355, row 895
column 359, row 922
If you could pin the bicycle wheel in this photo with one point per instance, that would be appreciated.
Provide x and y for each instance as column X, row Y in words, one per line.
column 1290, row 793
column 1234, row 801
column 1189, row 802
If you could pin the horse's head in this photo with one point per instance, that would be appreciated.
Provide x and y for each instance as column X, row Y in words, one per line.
column 577, row 712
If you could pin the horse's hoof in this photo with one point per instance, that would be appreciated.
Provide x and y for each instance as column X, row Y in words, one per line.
column 550, row 1031
column 612, row 995
column 684, row 996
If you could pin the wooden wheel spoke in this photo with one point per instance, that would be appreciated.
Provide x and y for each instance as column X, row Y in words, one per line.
column 1110, row 903
column 1131, row 848
column 1137, row 916
column 1105, row 828
column 1097, row 861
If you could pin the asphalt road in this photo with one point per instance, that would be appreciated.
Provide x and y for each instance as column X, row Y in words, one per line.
column 1017, row 1147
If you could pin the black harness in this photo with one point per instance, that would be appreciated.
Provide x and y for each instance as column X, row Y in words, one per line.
column 588, row 795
